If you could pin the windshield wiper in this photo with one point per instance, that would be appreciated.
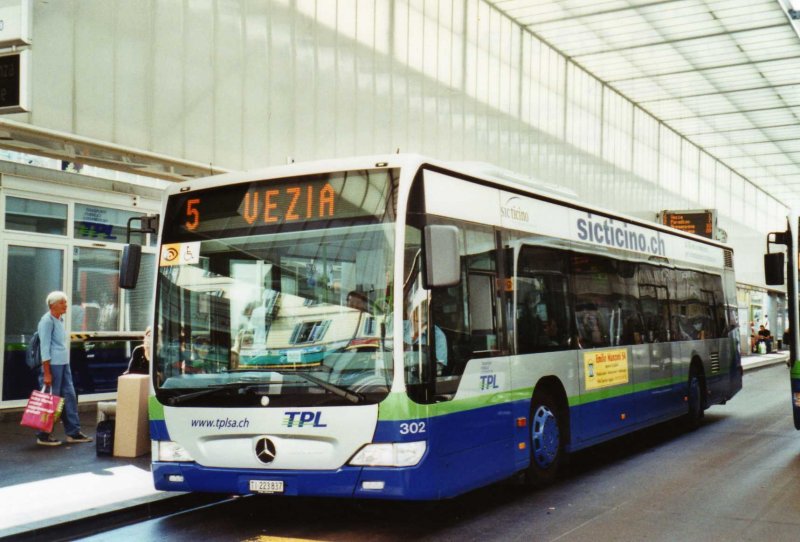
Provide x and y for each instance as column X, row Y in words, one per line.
column 240, row 387
column 351, row 396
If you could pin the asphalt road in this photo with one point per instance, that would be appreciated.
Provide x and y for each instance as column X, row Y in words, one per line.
column 737, row 477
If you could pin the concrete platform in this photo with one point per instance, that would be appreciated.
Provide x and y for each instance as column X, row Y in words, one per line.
column 42, row 486
column 760, row 360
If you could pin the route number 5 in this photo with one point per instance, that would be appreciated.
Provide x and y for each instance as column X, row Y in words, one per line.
column 194, row 213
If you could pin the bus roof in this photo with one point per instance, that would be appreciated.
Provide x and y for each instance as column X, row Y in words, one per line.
column 483, row 171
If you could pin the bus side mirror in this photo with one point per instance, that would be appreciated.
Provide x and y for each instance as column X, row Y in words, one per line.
column 132, row 253
column 129, row 266
column 442, row 257
column 774, row 268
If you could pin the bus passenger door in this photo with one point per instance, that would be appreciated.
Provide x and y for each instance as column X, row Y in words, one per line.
column 654, row 382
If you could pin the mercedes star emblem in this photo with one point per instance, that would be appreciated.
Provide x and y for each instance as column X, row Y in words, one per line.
column 265, row 450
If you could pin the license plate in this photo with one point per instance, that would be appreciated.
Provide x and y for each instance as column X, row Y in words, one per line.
column 266, row 486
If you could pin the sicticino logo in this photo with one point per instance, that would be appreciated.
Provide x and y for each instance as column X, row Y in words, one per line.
column 514, row 211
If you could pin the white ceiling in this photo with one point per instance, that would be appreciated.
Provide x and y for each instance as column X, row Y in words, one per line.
column 723, row 73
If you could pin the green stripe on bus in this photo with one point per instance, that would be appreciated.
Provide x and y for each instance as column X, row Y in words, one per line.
column 618, row 391
column 155, row 409
column 795, row 370
column 397, row 406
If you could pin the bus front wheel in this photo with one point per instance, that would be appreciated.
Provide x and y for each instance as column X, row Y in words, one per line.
column 546, row 440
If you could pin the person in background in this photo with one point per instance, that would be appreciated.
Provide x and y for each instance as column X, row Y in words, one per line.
column 55, row 372
column 140, row 357
column 765, row 336
column 357, row 300
column 78, row 313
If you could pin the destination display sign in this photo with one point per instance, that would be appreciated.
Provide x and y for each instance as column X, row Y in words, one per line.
column 290, row 202
column 700, row 222
column 239, row 208
column 14, row 82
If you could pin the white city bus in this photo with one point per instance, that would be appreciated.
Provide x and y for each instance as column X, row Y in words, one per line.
column 556, row 326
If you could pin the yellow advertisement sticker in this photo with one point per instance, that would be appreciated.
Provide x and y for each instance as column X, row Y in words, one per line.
column 606, row 368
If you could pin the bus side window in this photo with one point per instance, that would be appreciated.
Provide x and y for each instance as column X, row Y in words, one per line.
column 542, row 322
column 596, row 306
column 653, row 300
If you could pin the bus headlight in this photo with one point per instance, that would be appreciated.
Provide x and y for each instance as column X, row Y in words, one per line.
column 166, row 450
column 396, row 454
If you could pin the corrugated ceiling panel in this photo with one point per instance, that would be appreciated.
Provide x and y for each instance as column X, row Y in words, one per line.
column 791, row 131
column 775, row 117
column 789, row 146
column 730, row 121
column 693, row 125
column 644, row 89
column 780, row 72
column 712, row 140
column 759, row 148
column 792, row 169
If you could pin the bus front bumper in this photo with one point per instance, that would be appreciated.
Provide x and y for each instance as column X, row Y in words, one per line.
column 354, row 482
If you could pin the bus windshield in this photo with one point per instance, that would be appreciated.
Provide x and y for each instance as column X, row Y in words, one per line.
column 290, row 314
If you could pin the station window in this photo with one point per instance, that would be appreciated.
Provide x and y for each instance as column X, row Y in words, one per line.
column 36, row 216
column 104, row 224
column 95, row 291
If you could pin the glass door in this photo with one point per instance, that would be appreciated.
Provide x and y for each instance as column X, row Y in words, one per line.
column 31, row 273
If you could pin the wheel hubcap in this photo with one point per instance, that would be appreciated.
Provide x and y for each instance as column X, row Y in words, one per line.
column 545, row 437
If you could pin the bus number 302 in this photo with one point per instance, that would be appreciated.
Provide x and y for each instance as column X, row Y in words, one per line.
column 412, row 428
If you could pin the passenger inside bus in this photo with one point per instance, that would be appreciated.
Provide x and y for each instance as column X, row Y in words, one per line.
column 590, row 326
column 550, row 336
column 415, row 336
column 358, row 300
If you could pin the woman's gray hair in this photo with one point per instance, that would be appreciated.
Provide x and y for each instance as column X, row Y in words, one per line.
column 55, row 297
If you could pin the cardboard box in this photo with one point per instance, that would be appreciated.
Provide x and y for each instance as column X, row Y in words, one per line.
column 132, row 430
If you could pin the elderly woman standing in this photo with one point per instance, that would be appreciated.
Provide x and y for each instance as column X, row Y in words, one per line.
column 56, row 373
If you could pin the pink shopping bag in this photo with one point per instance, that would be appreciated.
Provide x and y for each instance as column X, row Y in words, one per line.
column 42, row 411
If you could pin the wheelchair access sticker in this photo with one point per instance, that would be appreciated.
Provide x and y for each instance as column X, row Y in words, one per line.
column 179, row 254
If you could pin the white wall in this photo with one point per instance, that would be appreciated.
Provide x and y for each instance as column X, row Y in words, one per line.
column 243, row 84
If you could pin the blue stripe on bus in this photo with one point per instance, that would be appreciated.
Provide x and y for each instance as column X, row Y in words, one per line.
column 158, row 430
column 465, row 450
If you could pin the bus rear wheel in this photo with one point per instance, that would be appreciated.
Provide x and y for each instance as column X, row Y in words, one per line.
column 546, row 440
column 694, row 398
